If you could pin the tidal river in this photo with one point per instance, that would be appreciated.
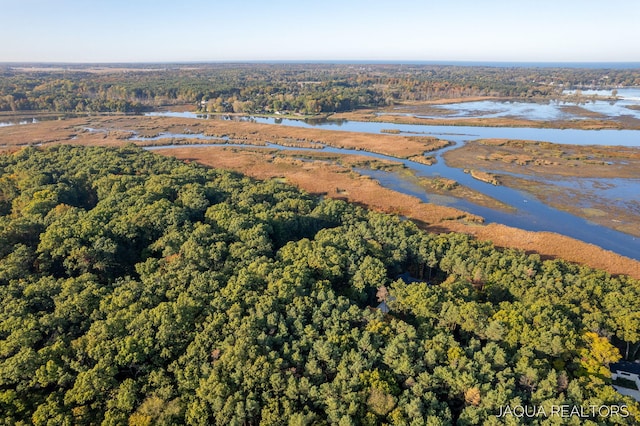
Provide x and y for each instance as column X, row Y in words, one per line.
column 530, row 214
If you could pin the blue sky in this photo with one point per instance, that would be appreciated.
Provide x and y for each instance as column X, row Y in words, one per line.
column 213, row 30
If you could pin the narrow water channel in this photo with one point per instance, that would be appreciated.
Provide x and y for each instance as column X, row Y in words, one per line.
column 606, row 137
column 530, row 214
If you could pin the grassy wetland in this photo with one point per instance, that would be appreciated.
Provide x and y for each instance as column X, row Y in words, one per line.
column 209, row 244
column 562, row 175
column 315, row 171
column 111, row 116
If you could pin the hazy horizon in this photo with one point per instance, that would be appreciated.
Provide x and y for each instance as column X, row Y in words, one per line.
column 163, row 31
column 495, row 64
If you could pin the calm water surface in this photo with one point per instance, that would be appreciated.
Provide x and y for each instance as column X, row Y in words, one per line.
column 18, row 122
column 626, row 103
column 531, row 214
column 456, row 133
column 554, row 110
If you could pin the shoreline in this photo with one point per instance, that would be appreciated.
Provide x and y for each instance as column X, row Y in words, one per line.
column 430, row 217
column 354, row 188
column 543, row 170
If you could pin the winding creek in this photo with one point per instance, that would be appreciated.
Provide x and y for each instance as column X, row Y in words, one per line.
column 530, row 213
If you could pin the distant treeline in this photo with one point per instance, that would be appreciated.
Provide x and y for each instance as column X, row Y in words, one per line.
column 136, row 289
column 264, row 88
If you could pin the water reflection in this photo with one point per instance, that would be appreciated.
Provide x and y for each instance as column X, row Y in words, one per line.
column 567, row 136
column 530, row 213
column 622, row 102
column 18, row 122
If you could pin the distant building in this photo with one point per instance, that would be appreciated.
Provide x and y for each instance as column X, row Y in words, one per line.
column 384, row 308
column 629, row 371
column 408, row 279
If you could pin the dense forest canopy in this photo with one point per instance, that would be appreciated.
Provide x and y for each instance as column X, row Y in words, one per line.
column 136, row 289
column 263, row 88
